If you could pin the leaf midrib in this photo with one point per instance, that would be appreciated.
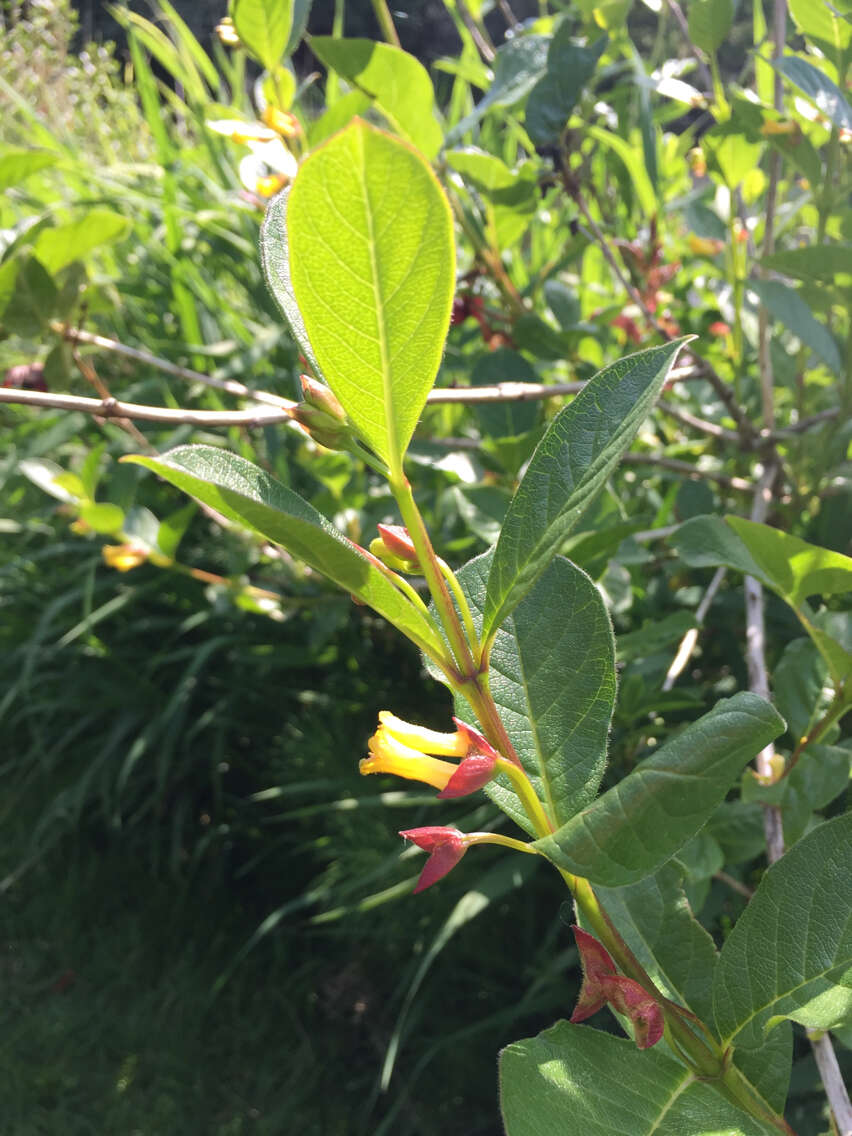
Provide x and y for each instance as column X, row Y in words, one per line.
column 389, row 410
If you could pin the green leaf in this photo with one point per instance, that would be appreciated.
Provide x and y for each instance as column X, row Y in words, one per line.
column 634, row 163
column 17, row 163
column 709, row 23
column 639, row 824
column 786, row 305
column 275, row 257
column 264, row 28
column 577, row 1081
column 103, row 517
column 570, row 465
column 553, row 679
column 790, row 953
column 172, row 529
column 399, row 84
column 61, row 245
column 518, row 65
column 33, row 300
column 248, row 495
column 373, row 273
column 824, row 26
column 789, row 566
column 820, row 263
column 657, row 924
column 569, row 68
column 825, row 94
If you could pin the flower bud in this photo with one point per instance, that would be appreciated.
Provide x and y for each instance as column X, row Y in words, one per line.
column 281, row 121
column 398, row 542
column 602, row 984
column 227, row 33
column 446, row 847
column 322, row 397
column 123, row 557
column 324, row 429
column 704, row 246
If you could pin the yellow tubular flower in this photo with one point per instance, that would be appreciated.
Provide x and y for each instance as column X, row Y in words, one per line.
column 426, row 741
column 281, row 121
column 124, row 556
column 389, row 755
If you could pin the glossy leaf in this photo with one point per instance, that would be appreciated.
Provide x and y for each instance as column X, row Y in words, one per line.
column 264, row 28
column 639, row 824
column 577, row 1081
column 372, row 264
column 570, row 465
column 786, row 305
column 553, row 680
column 822, row 92
column 244, row 493
column 399, row 84
column 803, row 908
column 569, row 68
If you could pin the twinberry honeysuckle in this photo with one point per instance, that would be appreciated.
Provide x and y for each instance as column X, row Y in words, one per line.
column 445, row 846
column 417, row 754
column 603, row 984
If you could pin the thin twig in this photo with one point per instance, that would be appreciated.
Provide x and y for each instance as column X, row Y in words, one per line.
column 112, row 408
column 502, row 392
column 733, row 883
column 701, row 424
column 688, row 642
column 832, row 1080
column 703, row 69
column 805, row 424
column 695, row 473
column 231, row 386
column 757, row 670
column 479, row 36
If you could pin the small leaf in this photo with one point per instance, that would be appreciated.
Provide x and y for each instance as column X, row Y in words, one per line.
column 569, row 68
column 639, row 824
column 17, row 163
column 264, row 28
column 244, row 493
column 802, row 914
column 570, row 465
column 786, row 305
column 825, row 94
column 102, row 516
column 399, row 84
column 373, row 271
column 62, row 244
column 709, row 23
column 577, row 1081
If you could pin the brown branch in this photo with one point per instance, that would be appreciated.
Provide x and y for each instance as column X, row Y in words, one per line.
column 502, row 392
column 733, row 883
column 832, row 1080
column 805, row 424
column 695, row 473
column 697, row 423
column 112, row 408
column 690, row 639
column 681, row 20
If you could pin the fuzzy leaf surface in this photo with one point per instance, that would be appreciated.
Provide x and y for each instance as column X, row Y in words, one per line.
column 577, row 1081
column 790, row 953
column 570, row 465
column 244, row 493
column 640, row 823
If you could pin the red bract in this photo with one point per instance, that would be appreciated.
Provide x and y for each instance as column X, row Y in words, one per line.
column 397, row 540
column 446, row 845
column 472, row 774
column 602, row 984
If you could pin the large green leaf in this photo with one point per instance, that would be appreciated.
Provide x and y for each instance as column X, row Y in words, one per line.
column 17, row 163
column 789, row 566
column 577, row 1081
column 373, row 271
column 823, row 24
column 399, row 84
column 244, row 493
column 790, row 953
column 825, row 94
column 639, row 824
column 569, row 68
column 822, row 263
column 264, row 27
column 552, row 677
column 787, row 306
column 570, row 465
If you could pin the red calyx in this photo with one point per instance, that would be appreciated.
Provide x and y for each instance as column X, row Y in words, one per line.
column 446, row 847
column 602, row 984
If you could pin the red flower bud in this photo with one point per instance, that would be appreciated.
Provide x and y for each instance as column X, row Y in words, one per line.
column 460, row 310
column 446, row 847
column 602, row 984
column 472, row 774
column 322, row 397
column 398, row 542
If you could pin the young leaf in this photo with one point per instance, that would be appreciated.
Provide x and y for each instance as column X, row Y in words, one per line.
column 639, row 824
column 577, row 1081
column 802, row 909
column 57, row 247
column 787, row 306
column 264, row 28
column 399, row 84
column 244, row 493
column 553, row 680
column 373, row 271
column 17, row 163
column 570, row 465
